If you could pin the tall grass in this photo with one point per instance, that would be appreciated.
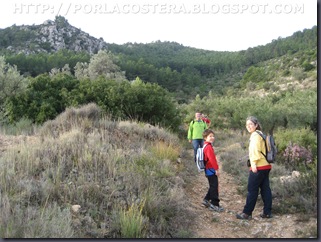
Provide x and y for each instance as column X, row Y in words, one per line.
column 132, row 221
column 22, row 127
column 102, row 165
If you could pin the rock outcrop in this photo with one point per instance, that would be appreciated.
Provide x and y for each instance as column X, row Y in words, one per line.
column 48, row 37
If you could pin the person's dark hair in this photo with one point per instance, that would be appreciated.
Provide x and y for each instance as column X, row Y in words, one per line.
column 255, row 121
column 207, row 132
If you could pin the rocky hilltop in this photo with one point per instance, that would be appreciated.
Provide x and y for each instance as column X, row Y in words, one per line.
column 48, row 37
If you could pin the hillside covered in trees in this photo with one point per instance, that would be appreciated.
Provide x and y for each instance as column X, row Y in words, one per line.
column 181, row 70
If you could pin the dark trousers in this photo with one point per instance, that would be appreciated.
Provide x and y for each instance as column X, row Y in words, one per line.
column 197, row 143
column 256, row 181
column 212, row 193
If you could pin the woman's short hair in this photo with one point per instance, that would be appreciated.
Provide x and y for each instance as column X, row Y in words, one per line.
column 255, row 121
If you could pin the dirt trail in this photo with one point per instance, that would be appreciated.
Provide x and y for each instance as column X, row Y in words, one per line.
column 209, row 224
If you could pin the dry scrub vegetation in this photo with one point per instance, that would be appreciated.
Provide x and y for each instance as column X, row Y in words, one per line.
column 124, row 176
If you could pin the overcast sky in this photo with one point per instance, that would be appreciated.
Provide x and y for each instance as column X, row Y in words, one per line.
column 222, row 25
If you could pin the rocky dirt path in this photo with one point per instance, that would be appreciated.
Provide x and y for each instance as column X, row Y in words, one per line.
column 209, row 224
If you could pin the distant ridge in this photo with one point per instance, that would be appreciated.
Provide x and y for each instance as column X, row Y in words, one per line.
column 48, row 37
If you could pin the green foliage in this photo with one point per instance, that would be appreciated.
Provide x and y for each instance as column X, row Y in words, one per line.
column 298, row 74
column 14, row 36
column 307, row 66
column 198, row 71
column 11, row 84
column 296, row 147
column 36, row 64
column 165, row 151
column 151, row 103
column 251, row 86
column 254, row 75
column 61, row 22
column 22, row 127
column 181, row 70
column 302, row 136
column 137, row 100
column 297, row 109
column 286, row 109
column 185, row 71
column 102, row 64
column 44, row 98
column 132, row 221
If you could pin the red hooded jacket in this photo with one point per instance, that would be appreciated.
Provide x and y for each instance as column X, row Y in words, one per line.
column 210, row 158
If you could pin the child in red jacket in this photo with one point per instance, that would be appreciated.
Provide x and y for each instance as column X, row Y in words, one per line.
column 211, row 200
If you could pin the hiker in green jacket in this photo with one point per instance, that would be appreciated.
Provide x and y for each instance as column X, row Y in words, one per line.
column 195, row 132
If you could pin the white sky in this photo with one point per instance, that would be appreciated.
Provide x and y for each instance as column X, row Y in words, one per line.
column 222, row 25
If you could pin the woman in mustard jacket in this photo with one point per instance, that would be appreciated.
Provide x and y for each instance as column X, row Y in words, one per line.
column 259, row 173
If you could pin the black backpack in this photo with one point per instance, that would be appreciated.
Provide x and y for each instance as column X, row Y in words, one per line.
column 270, row 147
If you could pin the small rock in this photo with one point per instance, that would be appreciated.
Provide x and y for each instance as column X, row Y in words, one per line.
column 75, row 208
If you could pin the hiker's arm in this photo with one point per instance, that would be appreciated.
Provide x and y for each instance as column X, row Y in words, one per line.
column 254, row 151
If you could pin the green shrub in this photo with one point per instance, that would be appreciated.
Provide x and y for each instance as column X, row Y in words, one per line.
column 274, row 88
column 286, row 72
column 132, row 221
column 307, row 66
column 302, row 136
column 22, row 127
column 288, row 139
column 298, row 74
column 267, row 86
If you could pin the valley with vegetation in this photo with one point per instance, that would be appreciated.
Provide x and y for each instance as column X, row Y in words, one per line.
column 93, row 135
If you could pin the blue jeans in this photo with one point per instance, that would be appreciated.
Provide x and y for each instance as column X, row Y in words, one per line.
column 197, row 143
column 256, row 181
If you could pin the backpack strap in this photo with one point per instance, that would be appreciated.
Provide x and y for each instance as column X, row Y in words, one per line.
column 262, row 136
column 193, row 121
column 205, row 161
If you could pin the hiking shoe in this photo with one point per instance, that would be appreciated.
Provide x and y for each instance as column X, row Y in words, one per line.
column 266, row 215
column 216, row 208
column 206, row 203
column 243, row 216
